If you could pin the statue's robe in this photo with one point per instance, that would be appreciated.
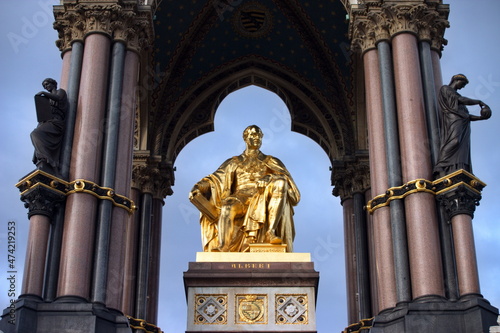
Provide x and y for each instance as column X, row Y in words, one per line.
column 222, row 184
column 454, row 153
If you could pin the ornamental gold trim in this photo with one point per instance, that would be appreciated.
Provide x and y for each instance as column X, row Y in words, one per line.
column 41, row 179
column 291, row 309
column 103, row 193
column 436, row 187
column 362, row 325
column 251, row 309
column 143, row 325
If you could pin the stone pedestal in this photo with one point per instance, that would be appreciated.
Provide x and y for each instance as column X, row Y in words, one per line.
column 465, row 315
column 40, row 317
column 257, row 292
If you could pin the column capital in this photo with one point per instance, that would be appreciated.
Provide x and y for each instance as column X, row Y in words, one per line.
column 150, row 175
column 376, row 21
column 42, row 193
column 349, row 177
column 124, row 21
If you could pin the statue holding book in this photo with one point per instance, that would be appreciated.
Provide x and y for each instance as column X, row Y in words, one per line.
column 51, row 107
column 248, row 199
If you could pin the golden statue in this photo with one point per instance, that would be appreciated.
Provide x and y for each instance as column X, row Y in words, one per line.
column 249, row 199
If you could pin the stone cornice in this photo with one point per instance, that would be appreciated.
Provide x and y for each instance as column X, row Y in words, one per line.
column 125, row 22
column 376, row 21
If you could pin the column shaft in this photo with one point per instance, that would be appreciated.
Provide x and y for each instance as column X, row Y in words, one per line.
column 421, row 215
column 109, row 166
column 362, row 262
column 154, row 264
column 123, row 178
column 131, row 252
column 71, row 82
column 465, row 252
column 382, row 237
column 34, row 267
column 78, row 239
column 394, row 177
column 143, row 256
column 350, row 261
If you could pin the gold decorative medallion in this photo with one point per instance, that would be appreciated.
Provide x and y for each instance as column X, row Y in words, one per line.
column 251, row 309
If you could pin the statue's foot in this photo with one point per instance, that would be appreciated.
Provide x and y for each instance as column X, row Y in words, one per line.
column 273, row 239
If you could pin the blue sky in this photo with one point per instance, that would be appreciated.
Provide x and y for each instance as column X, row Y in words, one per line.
column 29, row 55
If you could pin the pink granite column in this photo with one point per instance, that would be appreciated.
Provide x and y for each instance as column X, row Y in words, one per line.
column 123, row 180
column 36, row 252
column 78, row 238
column 420, row 208
column 130, row 266
column 465, row 253
column 66, row 58
column 350, row 261
column 381, row 221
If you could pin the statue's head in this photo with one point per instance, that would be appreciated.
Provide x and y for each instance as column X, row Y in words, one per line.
column 459, row 78
column 253, row 136
column 48, row 81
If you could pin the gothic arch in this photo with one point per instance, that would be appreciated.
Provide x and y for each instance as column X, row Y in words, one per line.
column 312, row 114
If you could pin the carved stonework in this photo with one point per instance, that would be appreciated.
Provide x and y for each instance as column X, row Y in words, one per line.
column 460, row 200
column 349, row 178
column 150, row 176
column 125, row 22
column 42, row 193
column 376, row 21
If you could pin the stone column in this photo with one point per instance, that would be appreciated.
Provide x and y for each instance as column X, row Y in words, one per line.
column 351, row 181
column 420, row 208
column 78, row 238
column 350, row 261
column 382, row 233
column 123, row 179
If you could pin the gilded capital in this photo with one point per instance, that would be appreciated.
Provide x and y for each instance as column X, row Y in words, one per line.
column 125, row 21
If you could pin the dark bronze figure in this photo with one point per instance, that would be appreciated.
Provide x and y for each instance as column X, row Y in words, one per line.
column 46, row 138
column 454, row 152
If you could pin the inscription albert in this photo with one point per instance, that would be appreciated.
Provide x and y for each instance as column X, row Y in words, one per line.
column 252, row 265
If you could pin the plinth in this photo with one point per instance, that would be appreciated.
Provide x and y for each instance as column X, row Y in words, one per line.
column 251, row 291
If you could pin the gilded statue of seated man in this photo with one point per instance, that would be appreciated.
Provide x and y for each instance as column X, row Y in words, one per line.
column 248, row 199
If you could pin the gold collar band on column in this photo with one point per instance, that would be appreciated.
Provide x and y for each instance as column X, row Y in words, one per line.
column 53, row 183
column 141, row 324
column 436, row 187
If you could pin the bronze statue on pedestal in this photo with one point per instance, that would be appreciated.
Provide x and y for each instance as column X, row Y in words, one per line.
column 51, row 108
column 248, row 199
column 454, row 152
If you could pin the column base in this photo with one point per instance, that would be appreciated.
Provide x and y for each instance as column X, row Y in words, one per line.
column 257, row 292
column 31, row 316
column 467, row 315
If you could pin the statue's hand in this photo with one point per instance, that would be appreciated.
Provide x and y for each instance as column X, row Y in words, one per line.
column 485, row 111
column 199, row 188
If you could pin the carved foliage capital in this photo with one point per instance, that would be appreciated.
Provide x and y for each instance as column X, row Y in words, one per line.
column 153, row 178
column 376, row 21
column 349, row 178
column 123, row 22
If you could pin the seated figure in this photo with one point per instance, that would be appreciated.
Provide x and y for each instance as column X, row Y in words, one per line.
column 251, row 197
